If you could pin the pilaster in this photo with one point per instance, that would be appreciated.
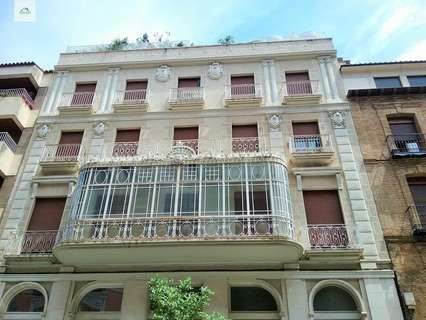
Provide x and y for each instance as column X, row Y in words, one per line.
column 297, row 299
column 59, row 295
column 324, row 77
column 267, row 82
column 108, row 93
column 135, row 300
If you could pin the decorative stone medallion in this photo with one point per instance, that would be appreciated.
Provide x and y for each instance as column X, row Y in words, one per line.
column 337, row 119
column 215, row 71
column 163, row 73
column 274, row 121
column 99, row 128
column 43, row 131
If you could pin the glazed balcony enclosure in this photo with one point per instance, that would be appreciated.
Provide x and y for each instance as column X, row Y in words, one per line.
column 181, row 214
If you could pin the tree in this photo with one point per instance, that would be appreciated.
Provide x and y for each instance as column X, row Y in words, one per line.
column 170, row 301
column 144, row 38
column 118, row 44
column 226, row 41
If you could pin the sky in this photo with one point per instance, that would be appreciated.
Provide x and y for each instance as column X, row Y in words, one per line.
column 362, row 30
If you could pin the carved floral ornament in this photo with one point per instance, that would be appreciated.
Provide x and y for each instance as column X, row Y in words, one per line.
column 99, row 128
column 215, row 71
column 163, row 73
column 43, row 131
column 274, row 121
column 337, row 119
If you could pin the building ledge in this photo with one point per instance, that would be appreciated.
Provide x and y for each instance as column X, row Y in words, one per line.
column 125, row 108
column 312, row 158
column 69, row 168
column 302, row 99
column 243, row 102
column 186, row 105
column 332, row 258
column 75, row 110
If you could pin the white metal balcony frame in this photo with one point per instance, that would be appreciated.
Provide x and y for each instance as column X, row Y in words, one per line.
column 78, row 99
column 18, row 92
column 186, row 95
column 6, row 139
column 139, row 96
column 243, row 91
column 300, row 88
column 315, row 143
column 63, row 153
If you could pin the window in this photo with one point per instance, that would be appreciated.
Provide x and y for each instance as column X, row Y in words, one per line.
column 44, row 224
column 306, row 136
column 84, row 94
column 126, row 143
column 102, row 300
column 27, row 301
column 187, row 137
column 242, row 86
column 405, row 137
column 387, row 82
column 253, row 299
column 417, row 81
column 69, row 144
column 245, row 138
column 418, row 192
column 298, row 83
column 135, row 90
column 325, row 220
column 334, row 299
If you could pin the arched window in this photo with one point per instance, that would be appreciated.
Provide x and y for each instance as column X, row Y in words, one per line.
column 332, row 302
column 29, row 300
column 253, row 299
column 102, row 300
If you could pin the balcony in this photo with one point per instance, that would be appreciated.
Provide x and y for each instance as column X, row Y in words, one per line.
column 61, row 159
column 323, row 236
column 17, row 104
column 186, row 98
column 243, row 95
column 77, row 103
column 9, row 161
column 301, row 92
column 407, row 146
column 130, row 101
column 417, row 217
column 311, row 150
column 179, row 241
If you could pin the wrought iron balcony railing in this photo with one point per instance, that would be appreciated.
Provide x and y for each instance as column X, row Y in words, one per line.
column 407, row 145
column 243, row 91
column 125, row 149
column 310, row 143
column 328, row 236
column 18, row 92
column 186, row 95
column 417, row 217
column 170, row 228
column 8, row 141
column 301, row 88
column 78, row 99
column 131, row 97
column 32, row 242
column 63, row 152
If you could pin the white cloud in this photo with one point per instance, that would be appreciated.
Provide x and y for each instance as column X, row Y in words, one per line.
column 415, row 52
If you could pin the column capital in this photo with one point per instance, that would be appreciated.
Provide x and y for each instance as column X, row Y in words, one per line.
column 267, row 62
column 113, row 70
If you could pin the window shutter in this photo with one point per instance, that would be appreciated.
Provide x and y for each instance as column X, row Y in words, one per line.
column 136, row 85
column 305, row 128
column 86, row 87
column 71, row 137
column 189, row 83
column 236, row 80
column 127, row 135
column 297, row 76
column 185, row 133
column 402, row 126
column 47, row 214
column 244, row 131
column 322, row 207
column 418, row 189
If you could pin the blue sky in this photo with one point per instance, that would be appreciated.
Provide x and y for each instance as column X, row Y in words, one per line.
column 363, row 30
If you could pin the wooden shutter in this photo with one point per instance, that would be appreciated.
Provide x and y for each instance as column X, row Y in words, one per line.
column 236, row 80
column 47, row 214
column 297, row 76
column 136, row 85
column 418, row 189
column 189, row 83
column 322, row 207
column 127, row 135
column 85, row 87
column 71, row 137
column 244, row 131
column 305, row 128
column 402, row 126
column 185, row 133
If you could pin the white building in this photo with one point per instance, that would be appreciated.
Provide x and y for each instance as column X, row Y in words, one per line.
column 236, row 165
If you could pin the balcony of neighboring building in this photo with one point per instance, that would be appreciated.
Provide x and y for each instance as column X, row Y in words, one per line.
column 308, row 147
column 299, row 89
column 135, row 98
column 417, row 216
column 17, row 100
column 80, row 102
column 176, row 215
column 10, row 134
column 65, row 157
column 188, row 95
column 243, row 92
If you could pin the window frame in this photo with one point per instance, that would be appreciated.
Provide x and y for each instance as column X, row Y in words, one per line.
column 378, row 79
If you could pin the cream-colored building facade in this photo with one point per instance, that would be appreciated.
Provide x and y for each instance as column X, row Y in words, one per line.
column 237, row 165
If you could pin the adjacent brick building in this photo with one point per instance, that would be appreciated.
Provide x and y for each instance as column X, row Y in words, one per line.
column 388, row 104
